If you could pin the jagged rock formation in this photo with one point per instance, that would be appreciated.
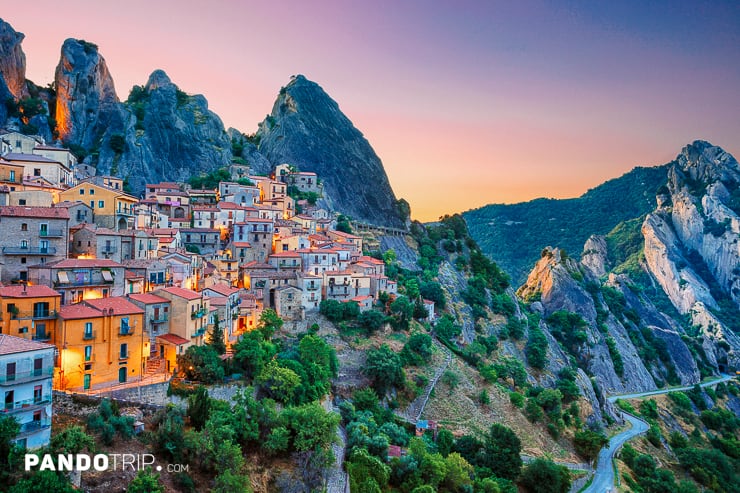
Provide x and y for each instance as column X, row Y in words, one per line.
column 166, row 135
column 692, row 250
column 258, row 163
column 306, row 128
column 595, row 255
column 86, row 102
column 12, row 62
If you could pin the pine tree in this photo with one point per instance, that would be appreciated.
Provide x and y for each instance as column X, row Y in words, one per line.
column 216, row 337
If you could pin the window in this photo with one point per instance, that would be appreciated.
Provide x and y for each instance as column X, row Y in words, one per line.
column 88, row 353
column 92, row 191
column 38, row 364
column 123, row 353
column 86, row 381
column 101, row 204
column 23, row 260
column 92, row 204
column 124, row 325
column 37, row 391
column 24, row 227
column 88, row 330
column 82, row 191
column 36, row 171
column 21, row 201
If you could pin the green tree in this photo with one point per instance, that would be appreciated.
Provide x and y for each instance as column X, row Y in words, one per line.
column 252, row 352
column 502, row 452
column 145, row 482
column 199, row 406
column 278, row 382
column 402, row 310
column 384, row 367
column 433, row 291
column 202, row 364
column 446, row 328
column 459, row 473
column 365, row 469
column 544, row 476
column 371, row 321
column 417, row 350
column 216, row 337
column 588, row 443
column 269, row 323
column 312, row 427
column 43, row 482
column 332, row 309
column 9, row 429
column 229, row 481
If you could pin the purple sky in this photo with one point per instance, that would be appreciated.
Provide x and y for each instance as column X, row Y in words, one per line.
column 466, row 103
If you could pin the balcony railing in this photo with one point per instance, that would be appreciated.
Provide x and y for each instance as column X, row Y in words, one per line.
column 198, row 314
column 34, row 426
column 125, row 212
column 36, row 314
column 26, row 376
column 29, row 251
column 199, row 332
column 159, row 319
column 26, row 405
column 92, row 282
column 109, row 249
column 126, row 331
column 51, row 233
column 46, row 336
column 88, row 336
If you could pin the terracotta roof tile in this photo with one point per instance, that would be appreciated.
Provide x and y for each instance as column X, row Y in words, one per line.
column 12, row 345
column 119, row 304
column 36, row 291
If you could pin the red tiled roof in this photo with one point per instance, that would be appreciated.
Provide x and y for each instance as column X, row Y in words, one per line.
column 188, row 294
column 223, row 289
column 242, row 244
column 148, row 298
column 36, row 291
column 31, row 158
column 129, row 274
column 78, row 311
column 119, row 304
column 12, row 344
column 285, row 254
column 218, row 301
column 82, row 263
column 44, row 212
column 173, row 339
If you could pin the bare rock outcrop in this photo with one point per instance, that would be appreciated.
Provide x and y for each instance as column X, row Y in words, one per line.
column 86, row 102
column 12, row 61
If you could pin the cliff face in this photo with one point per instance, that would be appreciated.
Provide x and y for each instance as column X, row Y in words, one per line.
column 306, row 128
column 86, row 103
column 692, row 249
column 165, row 135
column 12, row 61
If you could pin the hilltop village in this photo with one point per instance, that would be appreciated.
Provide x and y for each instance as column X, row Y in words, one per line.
column 102, row 289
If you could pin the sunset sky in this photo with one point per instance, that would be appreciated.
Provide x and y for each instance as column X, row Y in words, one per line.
column 466, row 103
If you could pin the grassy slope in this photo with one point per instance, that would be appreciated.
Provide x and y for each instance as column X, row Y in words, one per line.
column 514, row 235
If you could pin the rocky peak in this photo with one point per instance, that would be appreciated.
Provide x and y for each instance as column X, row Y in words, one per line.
column 306, row 128
column 12, row 60
column 703, row 162
column 86, row 95
column 158, row 79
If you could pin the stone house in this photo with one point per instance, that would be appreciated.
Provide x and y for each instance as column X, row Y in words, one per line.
column 31, row 235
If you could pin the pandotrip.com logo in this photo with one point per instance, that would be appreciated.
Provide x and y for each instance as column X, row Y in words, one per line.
column 97, row 462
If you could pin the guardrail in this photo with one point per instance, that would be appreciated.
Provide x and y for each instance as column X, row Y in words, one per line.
column 25, row 376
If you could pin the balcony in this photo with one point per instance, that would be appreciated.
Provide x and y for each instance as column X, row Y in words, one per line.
column 88, row 336
column 33, row 427
column 199, row 332
column 29, row 251
column 109, row 249
column 159, row 319
column 52, row 233
column 125, row 212
column 125, row 331
column 198, row 314
column 26, row 376
column 84, row 282
column 26, row 405
column 42, row 337
column 35, row 314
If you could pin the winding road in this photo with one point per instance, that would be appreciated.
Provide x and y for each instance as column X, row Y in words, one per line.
column 603, row 480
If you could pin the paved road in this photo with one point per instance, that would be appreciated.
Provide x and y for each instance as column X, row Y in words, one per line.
column 604, row 474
